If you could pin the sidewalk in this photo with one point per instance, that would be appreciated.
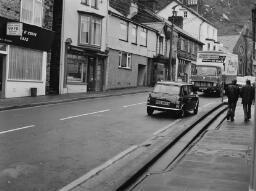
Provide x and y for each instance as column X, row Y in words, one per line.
column 220, row 161
column 12, row 103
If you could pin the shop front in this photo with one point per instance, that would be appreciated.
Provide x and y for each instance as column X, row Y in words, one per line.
column 23, row 58
column 160, row 68
column 84, row 70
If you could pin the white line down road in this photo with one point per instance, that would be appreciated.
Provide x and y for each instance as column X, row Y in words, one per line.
column 18, row 129
column 85, row 114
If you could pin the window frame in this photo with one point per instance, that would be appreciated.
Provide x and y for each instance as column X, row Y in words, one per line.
column 89, row 3
column 136, row 34
column 32, row 22
column 146, row 39
column 127, row 30
column 185, row 14
column 128, row 60
column 90, row 35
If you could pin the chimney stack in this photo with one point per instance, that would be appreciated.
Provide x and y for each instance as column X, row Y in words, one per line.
column 133, row 9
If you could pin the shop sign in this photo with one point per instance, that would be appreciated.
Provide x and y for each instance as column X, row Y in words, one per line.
column 14, row 29
column 33, row 37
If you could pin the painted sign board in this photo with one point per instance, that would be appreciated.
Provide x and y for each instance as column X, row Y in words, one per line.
column 14, row 29
column 33, row 37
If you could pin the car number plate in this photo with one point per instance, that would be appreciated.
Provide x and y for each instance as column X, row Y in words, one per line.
column 162, row 102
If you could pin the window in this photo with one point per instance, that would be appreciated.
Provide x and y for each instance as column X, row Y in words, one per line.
column 134, row 34
column 161, row 45
column 124, row 30
column 125, row 60
column 92, row 3
column 143, row 36
column 76, row 69
column 208, row 46
column 32, row 12
column 25, row 64
column 90, row 30
column 185, row 14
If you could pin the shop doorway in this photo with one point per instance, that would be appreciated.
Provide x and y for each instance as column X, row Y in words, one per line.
column 91, row 74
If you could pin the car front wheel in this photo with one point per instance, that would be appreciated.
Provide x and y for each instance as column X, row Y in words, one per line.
column 150, row 111
column 181, row 113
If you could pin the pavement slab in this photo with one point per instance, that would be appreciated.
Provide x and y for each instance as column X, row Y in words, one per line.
column 219, row 161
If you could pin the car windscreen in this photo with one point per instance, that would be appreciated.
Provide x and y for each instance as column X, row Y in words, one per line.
column 206, row 71
column 169, row 89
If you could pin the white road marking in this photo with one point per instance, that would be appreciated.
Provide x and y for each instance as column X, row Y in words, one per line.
column 98, row 169
column 125, row 106
column 12, row 130
column 85, row 114
column 166, row 127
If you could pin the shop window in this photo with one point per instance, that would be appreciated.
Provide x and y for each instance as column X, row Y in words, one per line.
column 25, row 64
column 134, row 34
column 143, row 37
column 90, row 30
column 32, row 12
column 124, row 30
column 76, row 69
column 125, row 60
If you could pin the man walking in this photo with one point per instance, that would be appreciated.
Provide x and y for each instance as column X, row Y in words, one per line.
column 233, row 95
column 247, row 94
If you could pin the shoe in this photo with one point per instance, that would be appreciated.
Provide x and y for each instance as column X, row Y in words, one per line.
column 232, row 119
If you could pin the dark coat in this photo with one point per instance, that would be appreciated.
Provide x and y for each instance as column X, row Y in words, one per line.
column 233, row 93
column 247, row 94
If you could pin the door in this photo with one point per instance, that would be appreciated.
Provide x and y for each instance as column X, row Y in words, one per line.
column 141, row 75
column 1, row 75
column 91, row 74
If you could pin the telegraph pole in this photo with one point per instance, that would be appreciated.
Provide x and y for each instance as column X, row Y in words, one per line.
column 170, row 71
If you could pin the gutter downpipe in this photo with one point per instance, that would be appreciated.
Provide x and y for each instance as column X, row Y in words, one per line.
column 62, row 53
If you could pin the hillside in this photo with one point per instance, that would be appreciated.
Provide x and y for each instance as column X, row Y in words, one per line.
column 228, row 16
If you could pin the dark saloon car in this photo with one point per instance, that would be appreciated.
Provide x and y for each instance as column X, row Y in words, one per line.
column 173, row 96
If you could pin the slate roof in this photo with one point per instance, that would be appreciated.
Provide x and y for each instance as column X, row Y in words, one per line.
column 229, row 41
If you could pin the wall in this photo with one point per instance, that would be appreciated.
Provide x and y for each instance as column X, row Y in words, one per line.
column 192, row 24
column 119, row 77
column 115, row 43
column 22, row 88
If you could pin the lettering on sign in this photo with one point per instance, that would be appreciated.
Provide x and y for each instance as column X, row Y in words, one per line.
column 14, row 29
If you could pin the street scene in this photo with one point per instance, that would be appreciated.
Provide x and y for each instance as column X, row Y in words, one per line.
column 127, row 95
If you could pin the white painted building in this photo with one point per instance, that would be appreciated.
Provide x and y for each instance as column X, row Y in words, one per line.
column 193, row 23
column 83, row 46
column 23, row 49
